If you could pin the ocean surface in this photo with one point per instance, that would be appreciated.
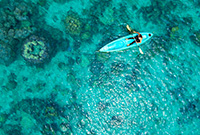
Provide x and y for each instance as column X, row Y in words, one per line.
column 53, row 80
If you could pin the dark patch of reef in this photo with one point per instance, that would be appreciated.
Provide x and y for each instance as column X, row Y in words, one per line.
column 159, row 14
column 195, row 38
column 78, row 27
column 19, row 26
column 171, row 22
column 44, row 116
column 7, row 55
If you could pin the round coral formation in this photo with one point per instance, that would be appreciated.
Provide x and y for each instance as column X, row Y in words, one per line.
column 73, row 23
column 35, row 50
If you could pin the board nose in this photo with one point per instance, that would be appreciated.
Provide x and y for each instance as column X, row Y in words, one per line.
column 150, row 34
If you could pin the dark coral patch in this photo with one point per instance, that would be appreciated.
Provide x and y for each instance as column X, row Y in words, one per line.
column 96, row 68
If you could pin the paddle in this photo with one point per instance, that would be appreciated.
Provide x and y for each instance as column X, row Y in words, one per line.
column 131, row 31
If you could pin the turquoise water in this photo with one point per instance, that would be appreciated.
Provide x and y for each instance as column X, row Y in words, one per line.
column 54, row 82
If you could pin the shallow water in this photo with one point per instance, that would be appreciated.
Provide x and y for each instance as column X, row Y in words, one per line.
column 70, row 88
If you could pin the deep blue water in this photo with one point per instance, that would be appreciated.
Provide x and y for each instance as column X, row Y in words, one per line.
column 53, row 80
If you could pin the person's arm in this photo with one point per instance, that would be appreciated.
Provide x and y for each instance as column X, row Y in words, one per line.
column 136, row 32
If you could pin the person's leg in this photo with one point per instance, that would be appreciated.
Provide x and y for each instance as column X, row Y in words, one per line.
column 131, row 43
column 130, row 38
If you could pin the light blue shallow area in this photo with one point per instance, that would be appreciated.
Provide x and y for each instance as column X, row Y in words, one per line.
column 75, row 90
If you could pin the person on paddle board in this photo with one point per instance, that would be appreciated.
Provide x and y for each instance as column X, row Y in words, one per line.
column 138, row 38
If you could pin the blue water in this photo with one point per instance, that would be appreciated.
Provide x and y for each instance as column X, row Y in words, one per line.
column 54, row 82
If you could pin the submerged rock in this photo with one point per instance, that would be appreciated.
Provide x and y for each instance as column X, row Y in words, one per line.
column 195, row 38
column 102, row 106
column 3, row 118
column 86, row 35
column 11, row 129
column 71, row 61
column 117, row 68
column 6, row 54
column 64, row 127
column 116, row 121
column 107, row 17
column 175, row 29
column 61, row 1
column 84, row 61
column 49, row 129
column 62, row 65
column 42, row 2
column 160, row 11
column 27, row 121
column 11, row 85
column 103, row 57
column 96, row 67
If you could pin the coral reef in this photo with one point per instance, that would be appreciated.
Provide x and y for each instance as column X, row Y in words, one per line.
column 16, row 24
column 156, row 49
column 22, row 11
column 35, row 110
column 3, row 118
column 42, row 2
column 101, row 15
column 98, row 102
column 11, row 85
column 103, row 57
column 6, row 53
column 158, row 13
column 96, row 68
column 74, row 82
column 117, row 68
column 195, row 38
column 175, row 29
column 73, row 23
column 12, row 129
column 99, row 7
column 64, row 127
column 116, row 121
column 189, row 112
column 52, row 118
column 62, row 65
column 102, row 106
column 16, row 20
column 35, row 50
column 130, row 79
column 84, row 61
column 99, row 80
column 56, row 34
column 61, row 1
column 107, row 17
column 86, row 35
